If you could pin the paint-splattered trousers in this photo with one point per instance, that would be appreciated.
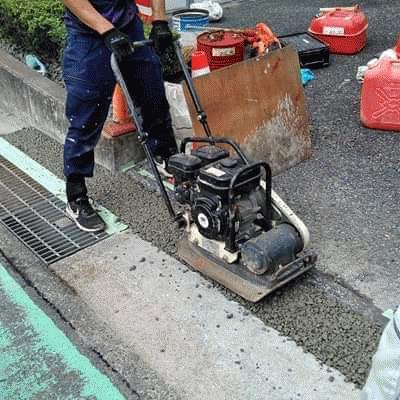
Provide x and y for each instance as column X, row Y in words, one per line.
column 90, row 82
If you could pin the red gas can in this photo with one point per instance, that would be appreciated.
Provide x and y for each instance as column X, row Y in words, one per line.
column 380, row 96
column 343, row 29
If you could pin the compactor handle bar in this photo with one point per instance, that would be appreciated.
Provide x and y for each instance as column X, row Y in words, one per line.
column 142, row 136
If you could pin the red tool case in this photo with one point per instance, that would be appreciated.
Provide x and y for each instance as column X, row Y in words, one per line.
column 343, row 29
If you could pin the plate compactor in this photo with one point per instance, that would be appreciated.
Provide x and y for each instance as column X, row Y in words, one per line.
column 239, row 232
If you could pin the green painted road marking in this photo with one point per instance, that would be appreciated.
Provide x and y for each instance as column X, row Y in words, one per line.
column 51, row 182
column 37, row 360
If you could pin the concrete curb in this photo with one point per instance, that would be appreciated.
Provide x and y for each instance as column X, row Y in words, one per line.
column 40, row 102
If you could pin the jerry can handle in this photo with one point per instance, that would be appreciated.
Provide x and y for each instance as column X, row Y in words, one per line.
column 332, row 10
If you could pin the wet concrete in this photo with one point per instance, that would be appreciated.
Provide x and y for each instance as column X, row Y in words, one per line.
column 321, row 324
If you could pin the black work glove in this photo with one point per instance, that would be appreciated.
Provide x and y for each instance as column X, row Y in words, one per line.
column 118, row 43
column 161, row 35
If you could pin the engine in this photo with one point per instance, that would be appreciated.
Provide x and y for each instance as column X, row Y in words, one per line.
column 229, row 213
column 221, row 212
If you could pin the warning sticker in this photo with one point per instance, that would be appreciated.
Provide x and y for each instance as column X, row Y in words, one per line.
column 224, row 52
column 333, row 30
column 215, row 171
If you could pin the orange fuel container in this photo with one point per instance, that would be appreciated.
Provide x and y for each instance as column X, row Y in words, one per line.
column 380, row 95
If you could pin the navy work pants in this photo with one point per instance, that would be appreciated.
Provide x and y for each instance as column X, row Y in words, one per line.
column 90, row 82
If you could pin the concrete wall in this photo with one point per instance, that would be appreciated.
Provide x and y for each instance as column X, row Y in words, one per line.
column 40, row 103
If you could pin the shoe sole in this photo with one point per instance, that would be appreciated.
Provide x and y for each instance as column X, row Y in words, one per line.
column 71, row 216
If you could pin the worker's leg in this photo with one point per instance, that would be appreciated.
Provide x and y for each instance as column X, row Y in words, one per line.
column 142, row 72
column 89, row 82
column 86, row 109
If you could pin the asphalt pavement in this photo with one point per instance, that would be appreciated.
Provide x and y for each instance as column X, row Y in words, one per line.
column 348, row 192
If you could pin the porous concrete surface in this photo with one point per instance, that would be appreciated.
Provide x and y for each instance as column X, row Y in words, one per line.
column 203, row 344
column 94, row 338
column 335, row 334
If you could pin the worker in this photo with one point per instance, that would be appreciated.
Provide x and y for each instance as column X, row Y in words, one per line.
column 95, row 30
column 383, row 382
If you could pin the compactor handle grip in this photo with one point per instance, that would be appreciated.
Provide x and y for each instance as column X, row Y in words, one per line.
column 149, row 42
column 141, row 43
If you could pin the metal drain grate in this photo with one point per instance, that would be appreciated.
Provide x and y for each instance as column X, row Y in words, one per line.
column 37, row 217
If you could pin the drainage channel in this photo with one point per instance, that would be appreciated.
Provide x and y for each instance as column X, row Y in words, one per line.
column 36, row 217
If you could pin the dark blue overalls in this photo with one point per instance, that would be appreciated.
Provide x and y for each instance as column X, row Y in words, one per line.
column 90, row 83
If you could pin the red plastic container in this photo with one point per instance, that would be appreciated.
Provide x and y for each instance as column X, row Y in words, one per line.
column 397, row 48
column 222, row 48
column 343, row 29
column 380, row 96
